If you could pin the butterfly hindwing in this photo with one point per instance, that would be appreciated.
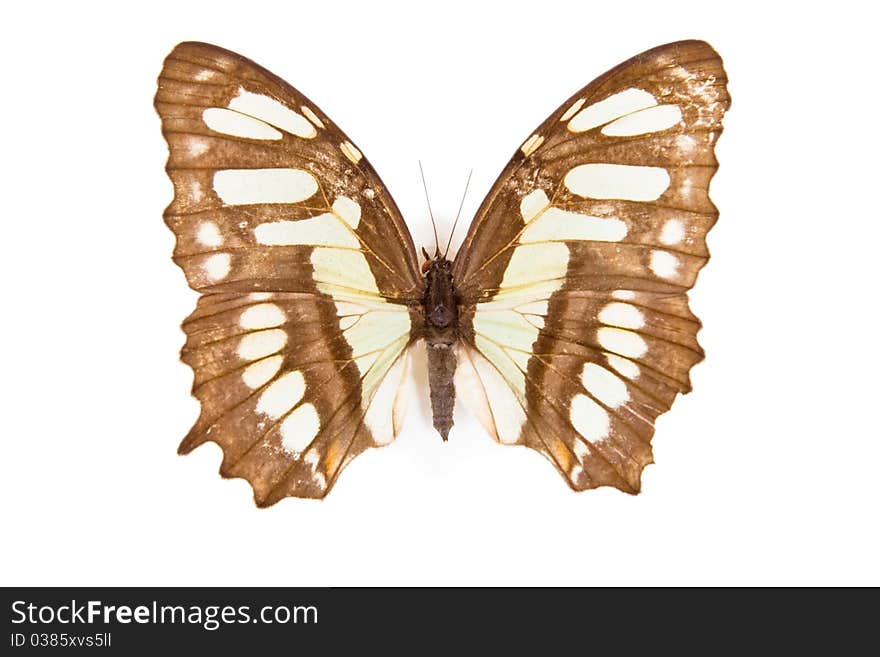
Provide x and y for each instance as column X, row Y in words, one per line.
column 306, row 269
column 574, row 273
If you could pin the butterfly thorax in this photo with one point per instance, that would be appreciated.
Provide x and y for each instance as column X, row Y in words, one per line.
column 440, row 299
column 440, row 304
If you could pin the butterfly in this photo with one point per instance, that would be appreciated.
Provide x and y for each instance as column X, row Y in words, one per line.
column 563, row 320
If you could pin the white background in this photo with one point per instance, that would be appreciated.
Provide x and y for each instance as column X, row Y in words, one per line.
column 766, row 474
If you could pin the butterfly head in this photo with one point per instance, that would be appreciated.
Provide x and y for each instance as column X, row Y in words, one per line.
column 437, row 262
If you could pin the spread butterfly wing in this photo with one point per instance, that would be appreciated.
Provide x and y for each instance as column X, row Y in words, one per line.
column 306, row 270
column 576, row 268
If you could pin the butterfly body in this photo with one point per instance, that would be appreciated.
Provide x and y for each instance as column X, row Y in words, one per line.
column 562, row 322
column 441, row 331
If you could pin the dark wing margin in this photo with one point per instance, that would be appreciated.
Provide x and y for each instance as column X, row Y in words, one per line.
column 575, row 270
column 306, row 269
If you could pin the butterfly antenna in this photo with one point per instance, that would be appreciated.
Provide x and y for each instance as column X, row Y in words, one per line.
column 460, row 206
column 430, row 211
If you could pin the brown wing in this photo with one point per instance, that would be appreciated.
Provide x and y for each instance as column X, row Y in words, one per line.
column 575, row 271
column 306, row 269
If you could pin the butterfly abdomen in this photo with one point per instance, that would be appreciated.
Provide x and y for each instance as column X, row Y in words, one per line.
column 440, row 305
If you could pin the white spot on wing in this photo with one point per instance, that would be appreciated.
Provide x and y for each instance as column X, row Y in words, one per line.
column 613, row 107
column 251, row 186
column 258, row 374
column 581, row 450
column 558, row 225
column 652, row 119
column 299, row 429
column 319, row 479
column 312, row 458
column 531, row 144
column 571, row 111
column 209, row 235
column 311, row 116
column 625, row 295
column 672, row 233
column 343, row 268
column 617, row 181
column 261, row 316
column 347, row 210
column 230, row 122
column 328, row 229
column 532, row 264
column 622, row 342
column 195, row 191
column 664, row 264
column 623, row 366
column 195, row 146
column 604, row 385
column 217, row 266
column 533, row 204
column 323, row 230
column 272, row 112
column 348, row 149
column 282, row 395
column 254, row 346
column 589, row 419
column 623, row 315
column 686, row 143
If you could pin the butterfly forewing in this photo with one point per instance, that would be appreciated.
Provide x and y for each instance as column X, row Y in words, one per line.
column 574, row 273
column 306, row 270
